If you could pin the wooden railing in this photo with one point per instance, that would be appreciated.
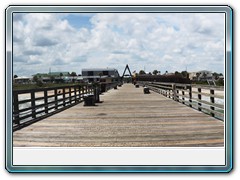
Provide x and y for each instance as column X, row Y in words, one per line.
column 208, row 99
column 35, row 104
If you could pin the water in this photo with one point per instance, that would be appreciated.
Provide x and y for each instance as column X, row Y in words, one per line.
column 38, row 102
column 207, row 98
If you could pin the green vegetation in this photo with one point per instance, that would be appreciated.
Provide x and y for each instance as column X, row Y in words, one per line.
column 155, row 72
column 219, row 82
column 142, row 72
column 73, row 74
column 200, row 82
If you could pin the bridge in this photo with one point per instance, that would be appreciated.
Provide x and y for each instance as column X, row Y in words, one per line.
column 126, row 117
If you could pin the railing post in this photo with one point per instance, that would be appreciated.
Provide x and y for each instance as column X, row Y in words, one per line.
column 16, row 108
column 64, row 103
column 79, row 92
column 212, row 101
column 91, row 89
column 190, row 96
column 33, row 104
column 183, row 99
column 84, row 89
column 96, row 94
column 75, row 94
column 70, row 95
column 55, row 98
column 177, row 96
column 46, row 100
column 174, row 92
column 199, row 98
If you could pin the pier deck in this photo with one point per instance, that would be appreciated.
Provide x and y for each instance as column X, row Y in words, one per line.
column 125, row 118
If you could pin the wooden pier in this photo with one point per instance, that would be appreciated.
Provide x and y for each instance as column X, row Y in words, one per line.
column 126, row 118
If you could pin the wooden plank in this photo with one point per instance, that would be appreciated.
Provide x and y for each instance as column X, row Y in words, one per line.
column 126, row 118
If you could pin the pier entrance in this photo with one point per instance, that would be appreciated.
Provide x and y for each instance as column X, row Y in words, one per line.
column 127, row 78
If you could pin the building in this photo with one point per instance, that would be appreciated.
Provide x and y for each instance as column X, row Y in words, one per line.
column 201, row 76
column 107, row 75
column 52, row 76
column 22, row 80
column 192, row 76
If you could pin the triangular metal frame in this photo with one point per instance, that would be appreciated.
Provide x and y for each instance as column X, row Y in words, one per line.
column 127, row 68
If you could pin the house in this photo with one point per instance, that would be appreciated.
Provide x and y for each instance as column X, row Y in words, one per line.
column 192, row 76
column 22, row 80
column 107, row 75
column 203, row 75
column 41, row 75
column 52, row 76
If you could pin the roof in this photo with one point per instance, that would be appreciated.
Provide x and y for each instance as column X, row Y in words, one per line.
column 51, row 74
column 23, row 77
column 58, row 73
column 40, row 74
column 97, row 76
column 99, row 69
column 204, row 71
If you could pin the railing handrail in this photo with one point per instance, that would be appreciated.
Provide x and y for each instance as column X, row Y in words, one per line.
column 221, row 88
column 70, row 95
column 172, row 90
column 23, row 91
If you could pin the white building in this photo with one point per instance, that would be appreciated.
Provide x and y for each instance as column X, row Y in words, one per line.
column 203, row 75
column 22, row 80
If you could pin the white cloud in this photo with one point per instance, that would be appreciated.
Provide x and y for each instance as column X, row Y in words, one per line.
column 157, row 41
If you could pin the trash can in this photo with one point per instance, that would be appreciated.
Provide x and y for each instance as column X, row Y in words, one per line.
column 146, row 90
column 89, row 100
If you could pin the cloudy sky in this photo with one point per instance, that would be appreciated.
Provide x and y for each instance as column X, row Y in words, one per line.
column 163, row 41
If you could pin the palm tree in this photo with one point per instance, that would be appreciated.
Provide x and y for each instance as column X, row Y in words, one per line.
column 141, row 72
column 35, row 78
column 184, row 74
column 73, row 74
column 155, row 72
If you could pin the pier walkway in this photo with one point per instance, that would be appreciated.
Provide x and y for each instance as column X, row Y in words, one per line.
column 126, row 118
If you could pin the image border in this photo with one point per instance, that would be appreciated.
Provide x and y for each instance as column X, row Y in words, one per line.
column 116, row 9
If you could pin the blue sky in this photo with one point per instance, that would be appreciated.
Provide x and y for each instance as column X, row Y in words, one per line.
column 163, row 41
column 79, row 22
